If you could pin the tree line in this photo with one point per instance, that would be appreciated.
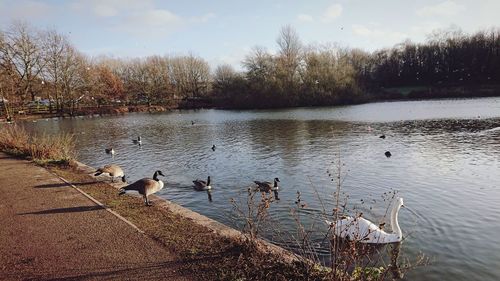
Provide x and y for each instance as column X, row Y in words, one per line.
column 45, row 64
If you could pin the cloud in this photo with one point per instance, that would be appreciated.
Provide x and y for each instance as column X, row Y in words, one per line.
column 140, row 18
column 203, row 18
column 447, row 8
column 110, row 8
column 379, row 34
column 27, row 10
column 332, row 12
column 305, row 18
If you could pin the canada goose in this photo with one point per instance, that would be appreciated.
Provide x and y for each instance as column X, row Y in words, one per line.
column 113, row 171
column 388, row 154
column 202, row 185
column 145, row 186
column 213, row 147
column 364, row 231
column 265, row 186
column 110, row 151
column 137, row 141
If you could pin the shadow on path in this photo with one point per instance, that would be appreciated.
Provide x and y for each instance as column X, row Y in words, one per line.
column 64, row 210
column 63, row 184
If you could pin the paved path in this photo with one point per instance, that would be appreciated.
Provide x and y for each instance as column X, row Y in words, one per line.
column 50, row 231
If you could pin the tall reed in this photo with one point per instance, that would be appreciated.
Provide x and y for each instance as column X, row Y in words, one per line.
column 41, row 148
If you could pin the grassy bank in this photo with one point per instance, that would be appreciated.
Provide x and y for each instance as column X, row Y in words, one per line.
column 200, row 251
column 42, row 149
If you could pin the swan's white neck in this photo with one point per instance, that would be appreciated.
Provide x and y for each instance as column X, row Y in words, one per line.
column 394, row 219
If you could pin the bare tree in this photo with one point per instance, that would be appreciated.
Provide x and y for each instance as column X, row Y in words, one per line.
column 23, row 50
column 290, row 49
column 74, row 77
column 190, row 75
column 55, row 47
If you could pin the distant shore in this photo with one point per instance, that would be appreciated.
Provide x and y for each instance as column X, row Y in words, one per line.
column 407, row 93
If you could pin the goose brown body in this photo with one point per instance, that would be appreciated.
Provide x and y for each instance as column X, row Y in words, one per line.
column 202, row 185
column 265, row 186
column 145, row 186
column 112, row 170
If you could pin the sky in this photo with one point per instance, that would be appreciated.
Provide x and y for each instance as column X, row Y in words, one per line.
column 225, row 31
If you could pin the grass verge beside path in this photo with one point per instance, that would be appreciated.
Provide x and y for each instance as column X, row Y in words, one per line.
column 208, row 255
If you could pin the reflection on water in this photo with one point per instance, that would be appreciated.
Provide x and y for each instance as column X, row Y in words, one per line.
column 445, row 163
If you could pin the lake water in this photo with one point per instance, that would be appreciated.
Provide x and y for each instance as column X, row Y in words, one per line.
column 445, row 164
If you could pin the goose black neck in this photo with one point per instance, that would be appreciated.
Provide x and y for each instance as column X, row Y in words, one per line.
column 275, row 183
column 208, row 181
column 155, row 176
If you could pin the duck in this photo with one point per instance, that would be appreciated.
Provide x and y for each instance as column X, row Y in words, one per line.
column 109, row 151
column 382, row 137
column 213, row 147
column 145, row 186
column 361, row 230
column 265, row 186
column 113, row 171
column 201, row 185
column 388, row 154
column 137, row 141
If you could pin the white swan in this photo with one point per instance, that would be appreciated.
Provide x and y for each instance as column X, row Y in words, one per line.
column 364, row 231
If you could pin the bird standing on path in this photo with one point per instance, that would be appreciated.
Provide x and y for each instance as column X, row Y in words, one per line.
column 145, row 186
column 113, row 171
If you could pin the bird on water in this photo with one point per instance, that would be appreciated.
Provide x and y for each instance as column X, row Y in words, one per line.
column 202, row 185
column 265, row 186
column 362, row 230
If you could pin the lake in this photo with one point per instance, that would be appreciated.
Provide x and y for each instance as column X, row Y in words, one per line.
column 445, row 164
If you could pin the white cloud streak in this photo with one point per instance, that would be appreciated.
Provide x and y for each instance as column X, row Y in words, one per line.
column 446, row 9
column 27, row 10
column 140, row 18
column 379, row 34
column 305, row 18
column 332, row 12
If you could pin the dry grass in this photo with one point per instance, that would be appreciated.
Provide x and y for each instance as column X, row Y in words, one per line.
column 43, row 149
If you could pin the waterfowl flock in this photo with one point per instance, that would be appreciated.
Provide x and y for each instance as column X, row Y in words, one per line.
column 351, row 228
column 148, row 186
